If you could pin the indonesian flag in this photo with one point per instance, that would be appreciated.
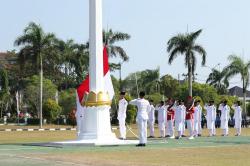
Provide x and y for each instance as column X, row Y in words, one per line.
column 108, row 86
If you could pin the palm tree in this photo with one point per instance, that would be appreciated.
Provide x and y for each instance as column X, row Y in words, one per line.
column 239, row 66
column 35, row 44
column 217, row 79
column 184, row 44
column 73, row 60
column 110, row 38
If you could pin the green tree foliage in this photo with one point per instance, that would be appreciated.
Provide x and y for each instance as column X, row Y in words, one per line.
column 156, row 97
column 67, row 100
column 110, row 39
column 36, row 45
column 73, row 62
column 184, row 44
column 217, row 79
column 168, row 86
column 239, row 66
column 248, row 109
column 147, row 80
column 51, row 110
column 204, row 91
column 32, row 91
column 4, row 82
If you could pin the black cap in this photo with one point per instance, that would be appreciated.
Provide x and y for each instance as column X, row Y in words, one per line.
column 142, row 94
column 122, row 93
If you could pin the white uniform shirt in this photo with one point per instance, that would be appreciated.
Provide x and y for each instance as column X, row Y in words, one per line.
column 180, row 113
column 200, row 111
column 151, row 114
column 237, row 113
column 143, row 107
column 122, row 108
column 225, row 113
column 162, row 114
column 211, row 113
column 196, row 114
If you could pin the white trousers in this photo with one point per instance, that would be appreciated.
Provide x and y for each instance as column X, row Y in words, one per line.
column 237, row 126
column 151, row 124
column 224, row 126
column 190, row 126
column 161, row 126
column 122, row 128
column 79, row 125
column 183, row 127
column 170, row 127
column 142, row 126
column 199, row 127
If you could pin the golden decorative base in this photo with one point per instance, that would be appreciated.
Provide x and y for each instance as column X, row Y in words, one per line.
column 99, row 99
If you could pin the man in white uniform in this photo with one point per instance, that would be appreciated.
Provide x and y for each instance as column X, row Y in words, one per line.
column 122, row 115
column 161, row 119
column 151, row 119
column 197, row 115
column 79, row 119
column 225, row 110
column 170, row 118
column 200, row 118
column 184, row 120
column 179, row 118
column 143, row 107
column 237, row 117
column 211, row 116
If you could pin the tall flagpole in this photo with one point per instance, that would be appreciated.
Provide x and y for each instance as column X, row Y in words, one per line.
column 96, row 126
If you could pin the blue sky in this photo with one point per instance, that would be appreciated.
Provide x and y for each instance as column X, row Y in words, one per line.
column 225, row 24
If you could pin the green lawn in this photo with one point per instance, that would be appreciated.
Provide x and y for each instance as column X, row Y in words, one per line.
column 15, row 150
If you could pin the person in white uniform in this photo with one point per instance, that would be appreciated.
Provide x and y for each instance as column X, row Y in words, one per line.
column 184, row 120
column 170, row 118
column 79, row 116
column 151, row 119
column 237, row 117
column 161, row 119
column 211, row 116
column 199, row 118
column 197, row 115
column 225, row 110
column 122, row 115
column 143, row 107
column 179, row 118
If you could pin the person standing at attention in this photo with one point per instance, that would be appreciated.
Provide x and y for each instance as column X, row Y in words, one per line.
column 143, row 107
column 122, row 115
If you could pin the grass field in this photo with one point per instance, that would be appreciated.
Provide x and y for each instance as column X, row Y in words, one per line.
column 204, row 151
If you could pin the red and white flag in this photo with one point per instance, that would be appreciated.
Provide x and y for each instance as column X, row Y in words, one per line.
column 108, row 86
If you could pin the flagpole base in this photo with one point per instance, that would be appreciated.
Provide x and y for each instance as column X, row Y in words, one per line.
column 96, row 124
column 97, row 99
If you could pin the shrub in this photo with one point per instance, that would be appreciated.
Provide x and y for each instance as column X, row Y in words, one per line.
column 51, row 110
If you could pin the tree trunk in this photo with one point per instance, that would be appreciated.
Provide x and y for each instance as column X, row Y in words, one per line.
column 41, row 92
column 244, row 97
column 244, row 103
column 190, row 79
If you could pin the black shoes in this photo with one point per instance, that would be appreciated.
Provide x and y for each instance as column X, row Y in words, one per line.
column 199, row 135
column 141, row 145
column 151, row 136
column 167, row 136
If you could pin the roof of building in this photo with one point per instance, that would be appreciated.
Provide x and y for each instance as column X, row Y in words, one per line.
column 237, row 91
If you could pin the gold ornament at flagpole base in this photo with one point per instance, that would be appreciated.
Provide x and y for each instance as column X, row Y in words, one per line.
column 99, row 99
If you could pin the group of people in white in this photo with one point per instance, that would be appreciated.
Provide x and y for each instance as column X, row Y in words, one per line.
column 176, row 116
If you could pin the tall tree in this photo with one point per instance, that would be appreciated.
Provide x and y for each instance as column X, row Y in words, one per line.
column 184, row 44
column 239, row 66
column 36, row 44
column 73, row 62
column 217, row 79
column 110, row 39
